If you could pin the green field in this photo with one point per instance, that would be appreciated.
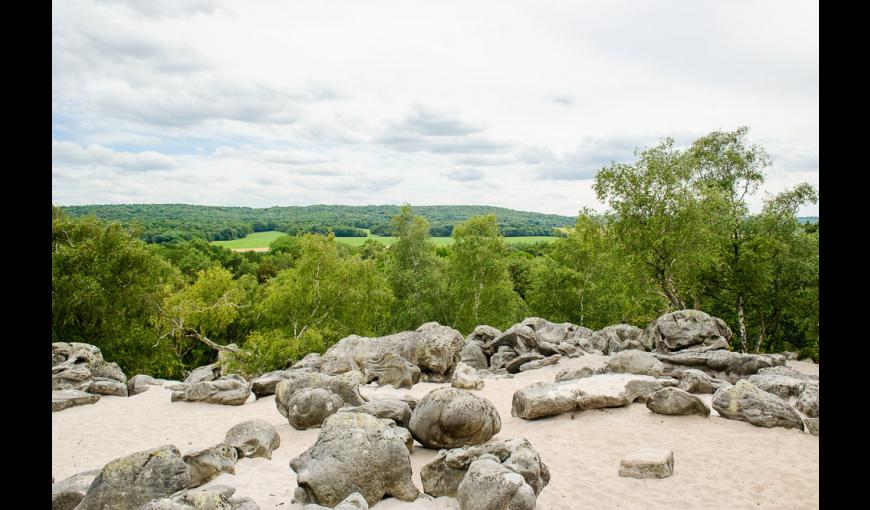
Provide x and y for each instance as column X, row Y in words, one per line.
column 260, row 240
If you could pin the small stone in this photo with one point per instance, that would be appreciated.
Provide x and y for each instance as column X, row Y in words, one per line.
column 648, row 463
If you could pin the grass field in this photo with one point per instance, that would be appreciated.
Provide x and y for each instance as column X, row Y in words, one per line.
column 264, row 239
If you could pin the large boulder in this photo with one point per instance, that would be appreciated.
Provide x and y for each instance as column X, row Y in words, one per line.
column 442, row 476
column 204, row 373
column 203, row 465
column 265, row 384
column 696, row 381
column 684, row 329
column 617, row 338
column 342, row 461
column 232, row 390
column 69, row 492
column 593, row 392
column 140, row 384
column 488, row 485
column 465, row 377
column 635, row 362
column 483, row 336
column 254, row 438
column 502, row 357
column 80, row 366
column 391, row 369
column 725, row 365
column 556, row 333
column 473, row 355
column 453, row 417
column 308, row 407
column 128, row 482
column 385, row 408
column 64, row 399
column 808, row 400
column 745, row 402
column 674, row 401
column 433, row 348
column 345, row 386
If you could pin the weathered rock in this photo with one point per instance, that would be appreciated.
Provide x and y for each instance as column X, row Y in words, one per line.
column 104, row 386
column 502, row 357
column 473, row 355
column 556, row 333
column 488, row 485
column 64, row 399
column 254, row 438
column 513, row 367
column 216, row 497
column 411, row 400
column 385, row 408
column 346, row 386
column 129, row 482
column 232, row 390
column 808, row 399
column 685, row 328
column 648, row 463
column 790, row 355
column 616, row 336
column 465, row 377
column 140, row 383
column 782, row 381
column 669, row 382
column 203, row 374
column 674, row 401
column 80, row 366
column 745, row 402
column 549, row 360
column 311, row 360
column 338, row 363
column 342, row 459
column 265, row 384
column 353, row 502
column 812, row 425
column 308, row 407
column 593, row 392
column 567, row 374
column 452, row 417
column 203, row 465
column 484, row 335
column 68, row 493
column 726, row 365
column 519, row 337
column 696, row 381
column 391, row 369
column 442, row 476
column 635, row 362
column 434, row 348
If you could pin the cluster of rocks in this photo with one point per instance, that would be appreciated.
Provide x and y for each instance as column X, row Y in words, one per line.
column 161, row 478
column 79, row 375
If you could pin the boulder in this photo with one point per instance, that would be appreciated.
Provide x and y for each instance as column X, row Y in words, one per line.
column 232, row 390
column 338, row 363
column 346, row 386
column 104, row 386
column 696, row 381
column 648, row 463
column 64, row 399
column 68, row 493
column 726, row 365
column 549, row 360
column 204, row 465
column 465, row 377
column 808, row 399
column 484, row 335
column 313, row 361
column 434, row 348
column 635, row 362
column 488, row 485
column 265, row 384
column 80, row 366
column 502, row 357
column 308, row 407
column 140, row 383
column 674, row 401
column 128, row 482
column 745, row 402
column 785, row 382
column 812, row 425
column 391, row 369
column 204, row 374
column 567, row 374
column 473, row 355
column 513, row 367
column 342, row 459
column 617, row 336
column 685, row 328
column 453, row 417
column 442, row 476
column 593, row 392
column 385, row 408
column 254, row 438
column 546, row 331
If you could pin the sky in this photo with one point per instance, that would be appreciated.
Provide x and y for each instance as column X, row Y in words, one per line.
column 506, row 103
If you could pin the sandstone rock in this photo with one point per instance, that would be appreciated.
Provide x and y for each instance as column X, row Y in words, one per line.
column 254, row 438
column 488, row 485
column 386, row 408
column 80, row 366
column 808, row 399
column 567, row 374
column 502, row 357
column 546, row 331
column 473, row 355
column 312, row 360
column 64, row 399
column 308, row 407
column 391, row 369
column 442, row 476
column 674, row 401
column 346, row 386
column 685, row 328
column 696, row 381
column 342, row 459
column 353, row 502
column 204, row 465
column 265, row 384
column 726, row 365
column 338, row 363
column 465, row 377
column 616, row 336
column 593, row 392
column 103, row 386
column 129, row 482
column 232, row 390
column 812, row 425
column 745, row 402
column 648, row 463
column 411, row 400
column 549, row 360
column 452, row 417
column 68, row 493
column 513, row 367
column 216, row 497
column 204, row 374
column 140, row 383
column 635, row 362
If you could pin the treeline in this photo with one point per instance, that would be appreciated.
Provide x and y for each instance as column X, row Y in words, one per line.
column 679, row 235
column 166, row 223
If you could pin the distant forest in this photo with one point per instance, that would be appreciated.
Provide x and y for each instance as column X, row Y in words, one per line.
column 165, row 223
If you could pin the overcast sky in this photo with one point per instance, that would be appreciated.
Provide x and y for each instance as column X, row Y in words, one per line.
column 507, row 103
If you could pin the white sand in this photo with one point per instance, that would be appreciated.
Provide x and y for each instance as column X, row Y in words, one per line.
column 718, row 463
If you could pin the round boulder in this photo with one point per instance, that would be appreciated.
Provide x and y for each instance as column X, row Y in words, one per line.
column 453, row 417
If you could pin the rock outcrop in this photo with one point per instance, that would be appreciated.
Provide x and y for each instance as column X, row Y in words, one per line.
column 683, row 330
column 726, row 365
column 619, row 337
column 80, row 366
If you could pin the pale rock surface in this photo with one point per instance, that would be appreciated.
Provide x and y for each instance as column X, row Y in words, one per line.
column 465, row 377
column 253, row 438
column 452, row 417
column 648, row 463
column 745, row 402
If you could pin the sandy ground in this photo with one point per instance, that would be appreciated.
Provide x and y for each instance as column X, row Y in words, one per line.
column 718, row 463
